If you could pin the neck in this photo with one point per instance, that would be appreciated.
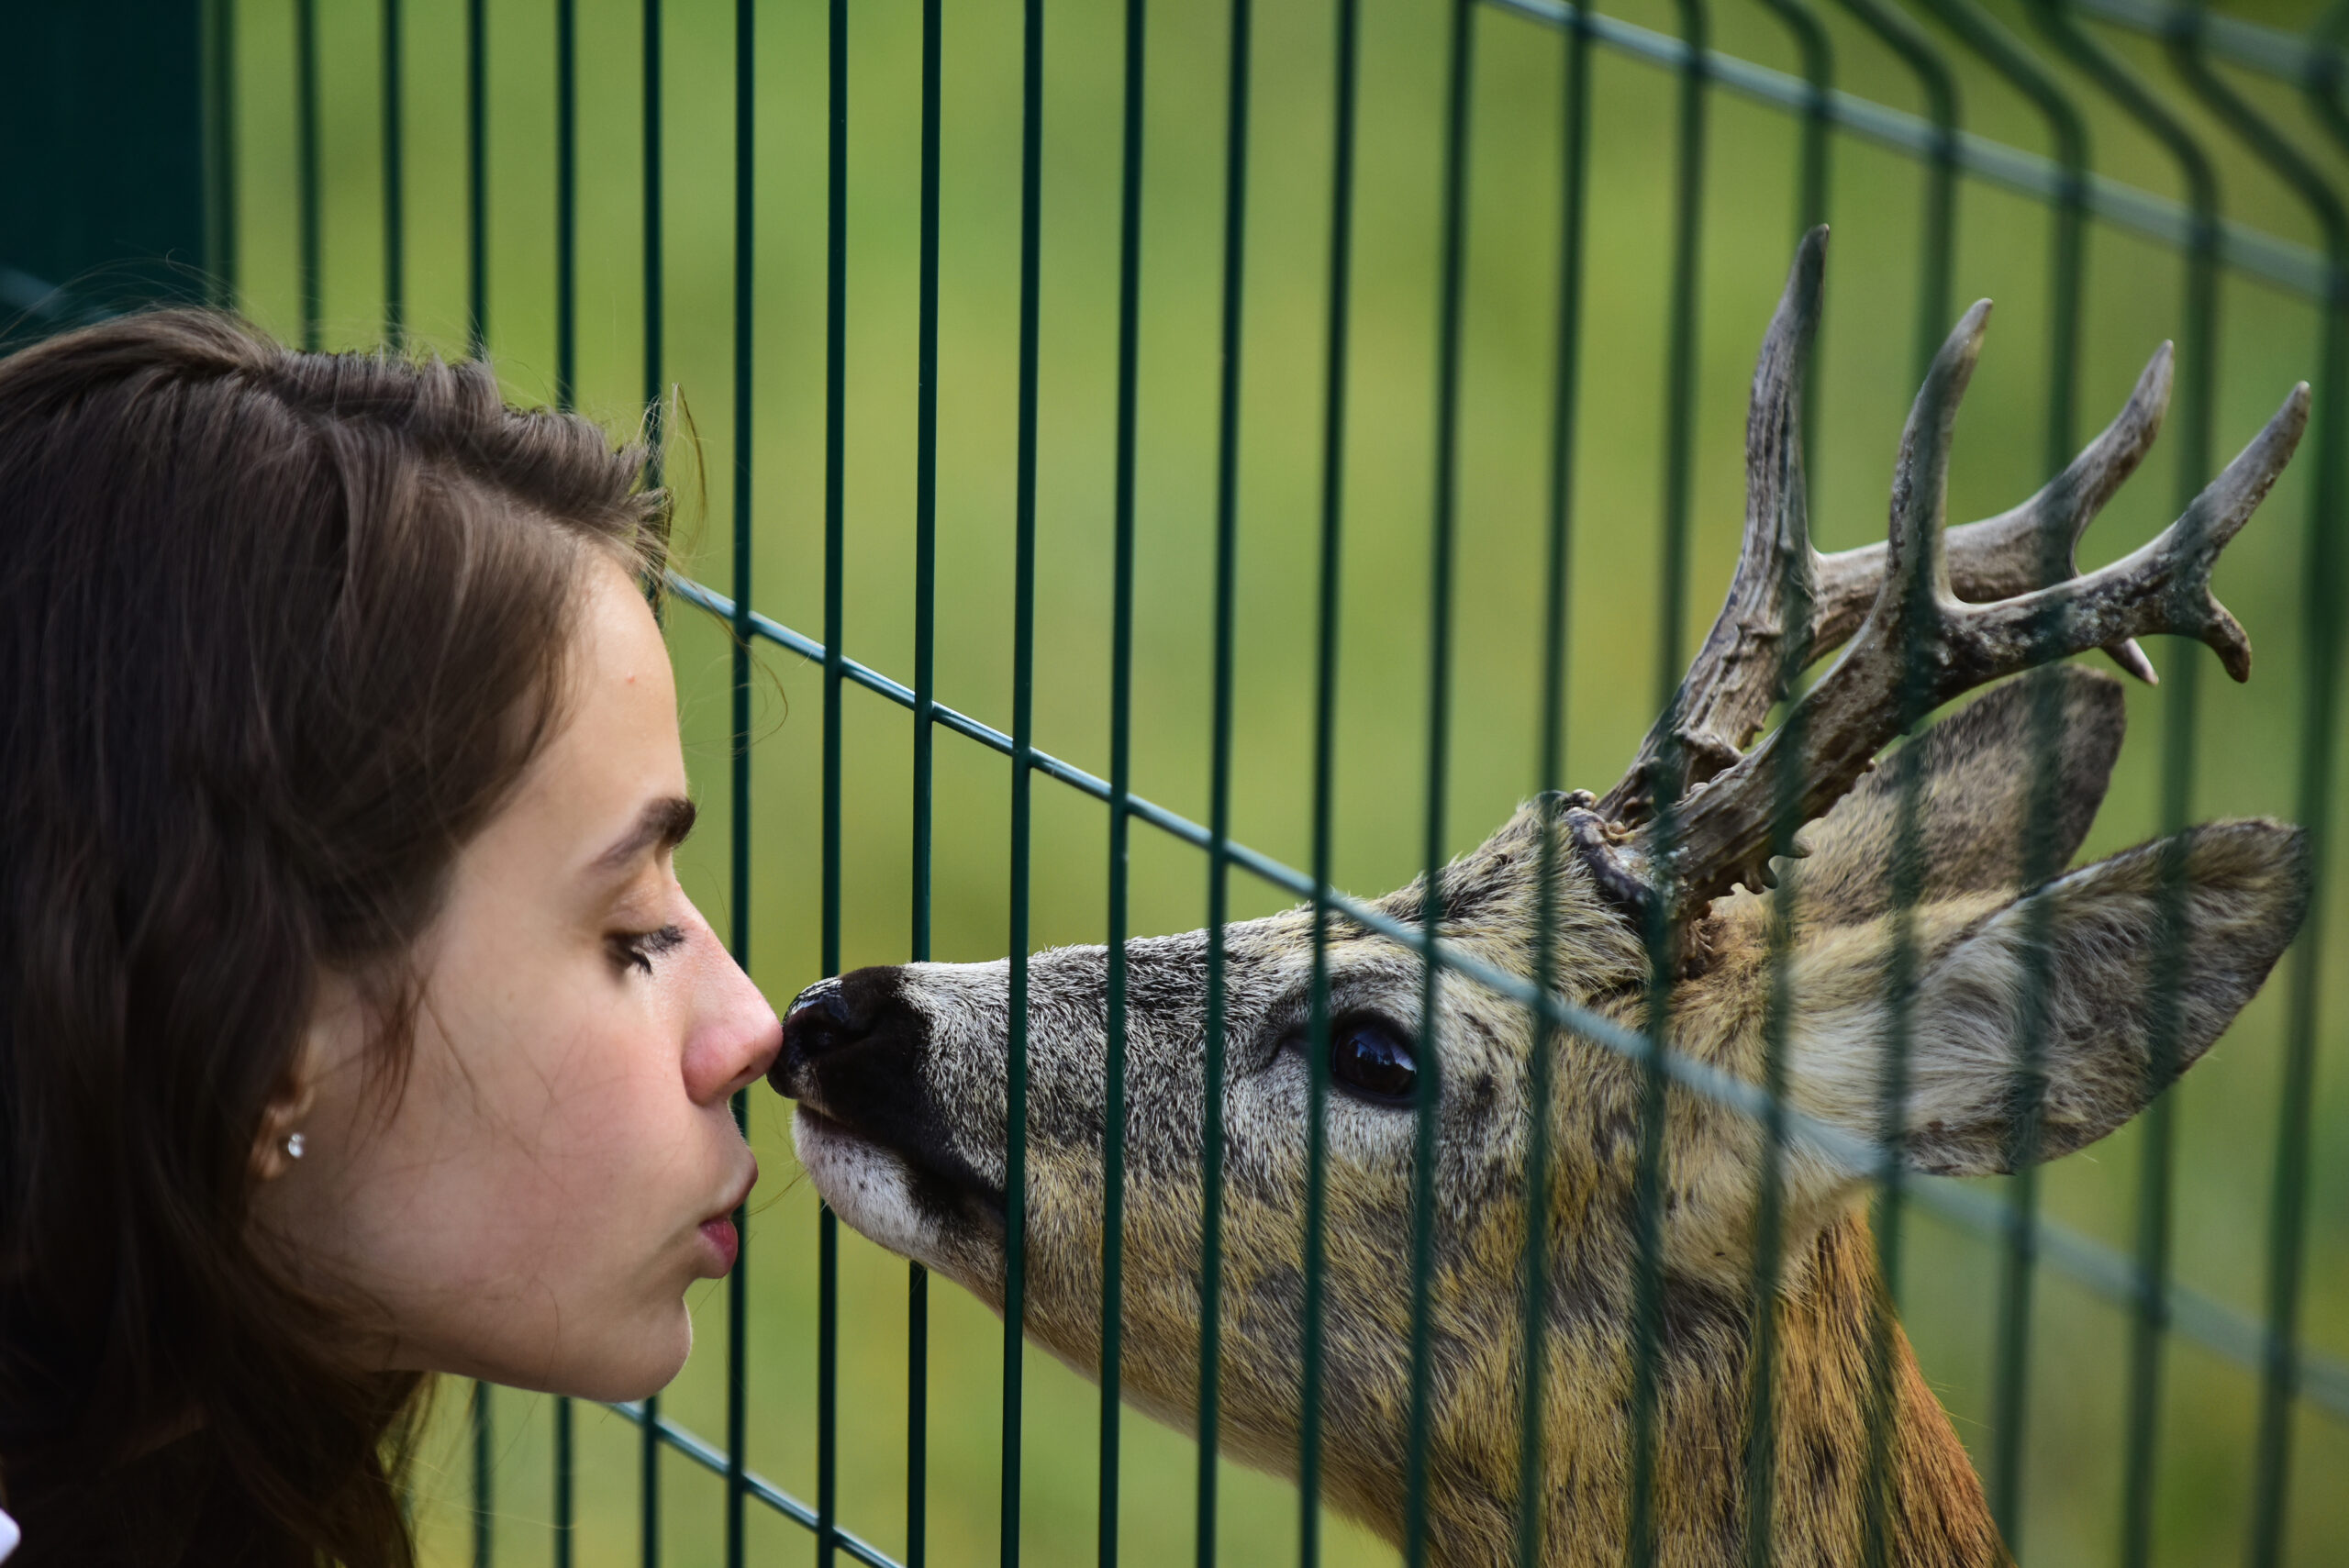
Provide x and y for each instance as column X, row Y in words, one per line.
column 1903, row 1493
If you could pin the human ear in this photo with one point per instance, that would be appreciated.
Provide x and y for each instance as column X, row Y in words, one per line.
column 335, row 1012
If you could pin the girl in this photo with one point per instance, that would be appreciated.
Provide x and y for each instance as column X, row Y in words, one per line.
column 353, row 1025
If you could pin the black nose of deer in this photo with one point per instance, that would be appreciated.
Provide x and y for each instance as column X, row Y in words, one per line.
column 842, row 1025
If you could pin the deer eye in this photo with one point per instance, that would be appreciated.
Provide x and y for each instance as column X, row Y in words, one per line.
column 1368, row 1056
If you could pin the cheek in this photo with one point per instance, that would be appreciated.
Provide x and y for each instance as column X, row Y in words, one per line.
column 534, row 1202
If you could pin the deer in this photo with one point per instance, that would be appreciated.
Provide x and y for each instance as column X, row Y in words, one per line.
column 1926, row 897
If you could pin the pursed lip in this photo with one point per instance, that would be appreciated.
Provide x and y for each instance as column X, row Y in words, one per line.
column 717, row 1234
column 944, row 1174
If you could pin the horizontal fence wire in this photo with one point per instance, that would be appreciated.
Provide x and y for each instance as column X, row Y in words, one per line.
column 721, row 1463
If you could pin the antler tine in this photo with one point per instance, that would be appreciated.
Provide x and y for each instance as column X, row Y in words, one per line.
column 2013, row 552
column 1875, row 689
column 2162, row 587
column 1745, row 665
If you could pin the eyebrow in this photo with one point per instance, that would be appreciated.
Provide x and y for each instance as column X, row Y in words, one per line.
column 662, row 824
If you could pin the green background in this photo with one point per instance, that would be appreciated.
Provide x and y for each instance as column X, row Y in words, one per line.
column 2248, row 744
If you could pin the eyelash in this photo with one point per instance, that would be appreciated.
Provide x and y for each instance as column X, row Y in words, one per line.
column 637, row 949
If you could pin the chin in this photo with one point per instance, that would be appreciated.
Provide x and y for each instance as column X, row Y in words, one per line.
column 638, row 1364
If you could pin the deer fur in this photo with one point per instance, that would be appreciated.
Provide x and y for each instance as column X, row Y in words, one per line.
column 900, row 1077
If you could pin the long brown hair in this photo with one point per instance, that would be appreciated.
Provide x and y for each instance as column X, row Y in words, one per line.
column 279, row 632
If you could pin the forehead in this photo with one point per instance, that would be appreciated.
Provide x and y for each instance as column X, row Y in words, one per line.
column 616, row 743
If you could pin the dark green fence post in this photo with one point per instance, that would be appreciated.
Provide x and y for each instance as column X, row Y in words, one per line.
column 827, row 1224
column 1575, row 158
column 1325, row 707
column 925, row 733
column 1679, row 419
column 1899, row 33
column 1226, row 522
column 738, row 1301
column 1023, row 760
column 1121, row 683
column 1443, row 553
column 655, row 436
column 105, row 187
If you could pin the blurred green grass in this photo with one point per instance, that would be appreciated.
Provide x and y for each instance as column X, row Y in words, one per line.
column 2248, row 745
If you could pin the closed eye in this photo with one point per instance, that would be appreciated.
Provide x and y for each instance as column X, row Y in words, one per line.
column 637, row 949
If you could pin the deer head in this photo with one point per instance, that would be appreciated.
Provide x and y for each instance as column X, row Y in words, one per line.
column 2131, row 966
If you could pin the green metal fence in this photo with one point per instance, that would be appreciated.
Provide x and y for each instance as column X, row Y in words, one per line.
column 2130, row 98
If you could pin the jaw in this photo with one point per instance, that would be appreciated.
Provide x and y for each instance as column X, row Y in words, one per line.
column 934, row 1218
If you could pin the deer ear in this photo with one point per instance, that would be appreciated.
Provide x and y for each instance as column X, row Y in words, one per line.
column 2089, row 964
column 1981, row 778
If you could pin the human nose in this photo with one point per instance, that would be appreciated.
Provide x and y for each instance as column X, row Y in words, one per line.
column 735, row 1034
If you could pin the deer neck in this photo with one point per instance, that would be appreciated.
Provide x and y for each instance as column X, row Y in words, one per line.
column 1820, row 1513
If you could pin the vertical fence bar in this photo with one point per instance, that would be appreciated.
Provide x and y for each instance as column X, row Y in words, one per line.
column 1813, row 46
column 1803, row 293
column 656, row 413
column 1227, row 505
column 1939, row 86
column 1815, row 51
column 220, row 181
column 2280, row 1373
column 477, row 346
column 1647, row 1297
column 827, row 1224
column 305, row 132
column 2041, row 855
column 1122, row 682
column 395, row 183
column 655, row 435
column 566, row 387
column 656, row 416
column 566, row 202
column 1557, row 583
column 396, row 252
column 2067, row 137
column 1325, row 740
column 564, row 1524
column 1023, row 750
column 739, row 791
column 484, row 1516
column 1453, row 282
column 925, row 735
column 2150, row 1319
column 477, row 177
column 1883, row 1393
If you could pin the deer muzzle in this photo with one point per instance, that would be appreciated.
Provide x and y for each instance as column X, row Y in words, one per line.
column 869, row 1129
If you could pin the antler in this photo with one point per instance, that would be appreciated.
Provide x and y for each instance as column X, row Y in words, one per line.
column 1916, row 639
column 1746, row 661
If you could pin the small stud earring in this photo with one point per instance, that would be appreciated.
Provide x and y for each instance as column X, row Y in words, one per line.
column 293, row 1146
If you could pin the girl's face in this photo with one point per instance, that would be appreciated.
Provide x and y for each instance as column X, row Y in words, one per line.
column 562, row 1164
